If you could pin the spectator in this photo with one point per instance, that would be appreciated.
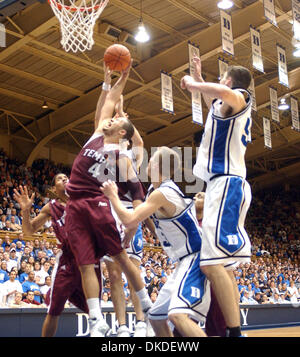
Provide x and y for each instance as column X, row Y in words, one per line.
column 247, row 299
column 105, row 302
column 154, row 285
column 30, row 299
column 2, row 222
column 15, row 226
column 153, row 296
column 43, row 273
column 46, row 287
column 13, row 260
column 292, row 292
column 24, row 276
column 9, row 289
column 18, row 301
column 4, row 276
column 30, row 284
column 148, row 277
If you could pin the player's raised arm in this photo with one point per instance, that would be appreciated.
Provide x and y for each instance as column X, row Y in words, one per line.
column 132, row 218
column 30, row 226
column 197, row 76
column 233, row 98
column 105, row 89
column 137, row 141
column 113, row 97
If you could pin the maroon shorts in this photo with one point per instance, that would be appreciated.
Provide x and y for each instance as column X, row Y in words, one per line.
column 92, row 229
column 66, row 285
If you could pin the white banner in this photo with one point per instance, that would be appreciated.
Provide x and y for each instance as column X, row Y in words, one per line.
column 269, row 11
column 2, row 35
column 295, row 114
column 193, row 52
column 167, row 92
column 274, row 105
column 267, row 133
column 257, row 59
column 296, row 18
column 282, row 66
column 251, row 89
column 197, row 108
column 226, row 31
column 223, row 66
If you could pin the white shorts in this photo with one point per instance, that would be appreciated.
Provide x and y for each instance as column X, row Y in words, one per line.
column 187, row 291
column 227, row 200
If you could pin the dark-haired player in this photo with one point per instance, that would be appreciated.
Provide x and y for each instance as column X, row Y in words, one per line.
column 221, row 164
column 66, row 278
column 92, row 226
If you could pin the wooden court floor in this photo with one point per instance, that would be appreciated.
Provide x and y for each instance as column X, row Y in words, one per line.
column 274, row 332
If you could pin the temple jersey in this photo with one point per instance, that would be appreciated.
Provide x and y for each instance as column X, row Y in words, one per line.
column 58, row 222
column 95, row 164
column 180, row 235
column 223, row 146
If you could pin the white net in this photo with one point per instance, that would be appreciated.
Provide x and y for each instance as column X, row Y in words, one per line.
column 77, row 20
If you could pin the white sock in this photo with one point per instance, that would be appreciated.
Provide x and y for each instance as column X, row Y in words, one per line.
column 94, row 308
column 144, row 298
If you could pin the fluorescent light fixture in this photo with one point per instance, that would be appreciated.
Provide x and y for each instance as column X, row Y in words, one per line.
column 283, row 104
column 45, row 105
column 142, row 35
column 225, row 4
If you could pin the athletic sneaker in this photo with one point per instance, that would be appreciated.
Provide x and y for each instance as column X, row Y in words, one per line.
column 99, row 328
column 140, row 329
column 123, row 331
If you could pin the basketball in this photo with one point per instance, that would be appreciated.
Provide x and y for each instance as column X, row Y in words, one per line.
column 117, row 57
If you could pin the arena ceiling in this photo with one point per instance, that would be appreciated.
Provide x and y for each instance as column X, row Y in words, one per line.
column 34, row 68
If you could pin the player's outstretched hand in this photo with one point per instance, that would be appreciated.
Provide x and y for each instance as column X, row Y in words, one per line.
column 23, row 198
column 107, row 74
column 126, row 71
column 129, row 233
column 198, row 68
column 109, row 188
column 185, row 81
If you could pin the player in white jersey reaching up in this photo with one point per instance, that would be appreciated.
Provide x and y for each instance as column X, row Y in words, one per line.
column 221, row 164
column 186, row 294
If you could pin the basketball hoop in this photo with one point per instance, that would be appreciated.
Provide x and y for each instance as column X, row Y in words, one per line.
column 77, row 22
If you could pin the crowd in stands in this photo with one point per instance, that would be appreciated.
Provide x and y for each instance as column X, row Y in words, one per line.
column 273, row 223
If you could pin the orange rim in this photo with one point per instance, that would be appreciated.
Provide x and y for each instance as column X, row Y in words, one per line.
column 70, row 8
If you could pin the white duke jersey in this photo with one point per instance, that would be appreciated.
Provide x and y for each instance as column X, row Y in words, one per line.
column 223, row 146
column 180, row 235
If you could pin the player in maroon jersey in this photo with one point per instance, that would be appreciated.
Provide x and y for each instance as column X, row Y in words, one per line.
column 66, row 278
column 92, row 227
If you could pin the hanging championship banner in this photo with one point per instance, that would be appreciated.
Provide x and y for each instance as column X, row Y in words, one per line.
column 282, row 66
column 194, row 51
column 295, row 114
column 257, row 59
column 269, row 11
column 197, row 108
column 226, row 31
column 251, row 89
column 223, row 66
column 274, row 104
column 2, row 35
column 296, row 19
column 167, row 92
column 267, row 133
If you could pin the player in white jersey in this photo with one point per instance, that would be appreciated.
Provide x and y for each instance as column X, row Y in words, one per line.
column 186, row 294
column 221, row 164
